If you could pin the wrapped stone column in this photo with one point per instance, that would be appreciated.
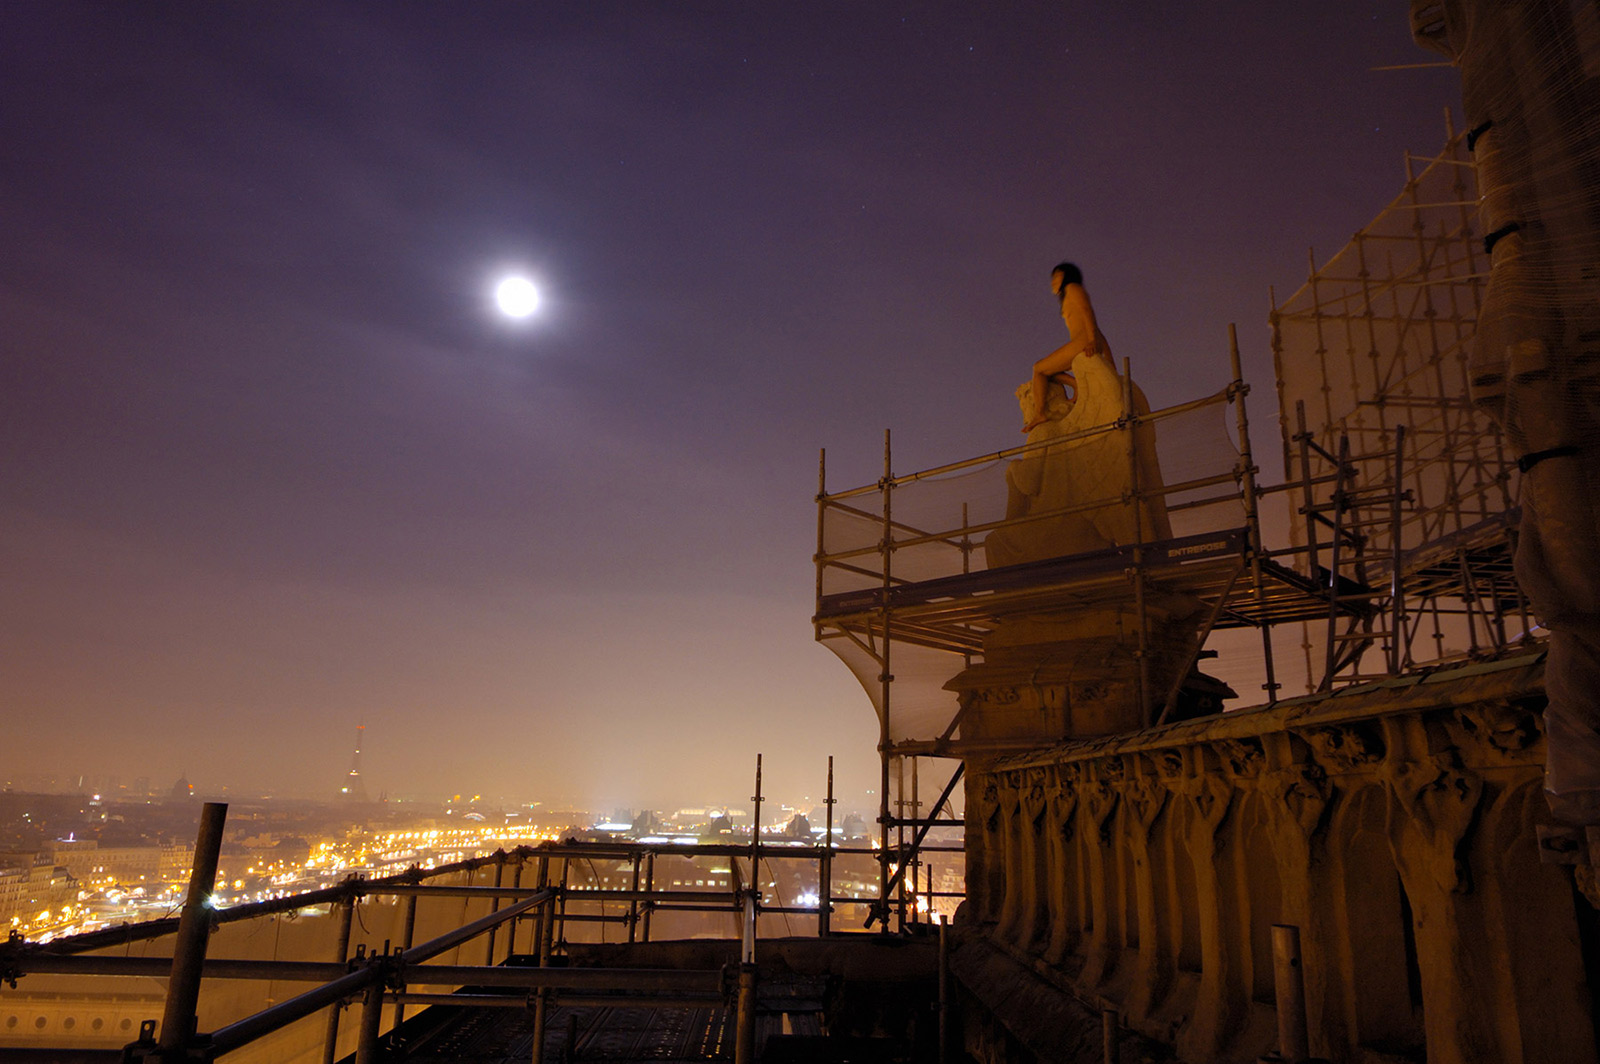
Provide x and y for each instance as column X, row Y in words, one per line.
column 1529, row 76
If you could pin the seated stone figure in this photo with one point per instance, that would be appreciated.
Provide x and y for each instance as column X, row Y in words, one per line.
column 1068, row 466
column 1096, row 662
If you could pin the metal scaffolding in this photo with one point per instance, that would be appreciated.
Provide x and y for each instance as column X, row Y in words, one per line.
column 1399, row 498
column 1406, row 497
column 907, row 599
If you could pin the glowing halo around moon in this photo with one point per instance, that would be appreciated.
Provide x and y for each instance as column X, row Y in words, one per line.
column 516, row 297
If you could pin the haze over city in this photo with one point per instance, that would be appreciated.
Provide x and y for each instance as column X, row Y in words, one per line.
column 275, row 465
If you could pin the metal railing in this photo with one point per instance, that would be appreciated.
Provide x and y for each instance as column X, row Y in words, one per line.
column 392, row 975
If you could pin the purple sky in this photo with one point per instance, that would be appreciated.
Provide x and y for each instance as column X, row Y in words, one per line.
column 272, row 466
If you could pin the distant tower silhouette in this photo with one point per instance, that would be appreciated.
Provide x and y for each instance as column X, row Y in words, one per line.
column 354, row 790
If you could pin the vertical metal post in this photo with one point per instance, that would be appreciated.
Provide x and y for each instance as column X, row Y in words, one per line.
column 1252, row 511
column 755, row 833
column 1146, row 710
column 1308, row 500
column 561, row 915
column 944, row 990
column 494, row 906
column 541, row 1000
column 347, row 913
column 1335, row 545
column 747, row 925
column 825, row 865
column 649, row 885
column 367, row 1050
column 1109, row 1045
column 900, row 843
column 633, row 906
column 466, row 906
column 407, row 939
column 194, row 929
column 744, row 1046
column 885, row 678
column 516, row 882
column 1290, row 985
column 1397, row 590
column 914, row 857
column 822, row 519
column 1308, row 508
column 1469, row 601
column 542, row 913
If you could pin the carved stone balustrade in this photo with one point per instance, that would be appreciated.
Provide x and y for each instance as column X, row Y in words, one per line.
column 1394, row 824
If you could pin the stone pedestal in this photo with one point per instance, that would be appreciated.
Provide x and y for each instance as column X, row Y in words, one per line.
column 1075, row 675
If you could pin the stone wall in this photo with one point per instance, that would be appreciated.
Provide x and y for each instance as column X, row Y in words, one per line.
column 1394, row 824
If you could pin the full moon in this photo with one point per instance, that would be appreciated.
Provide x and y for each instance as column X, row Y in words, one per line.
column 516, row 297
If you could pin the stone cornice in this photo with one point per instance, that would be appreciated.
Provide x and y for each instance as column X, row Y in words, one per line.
column 1515, row 679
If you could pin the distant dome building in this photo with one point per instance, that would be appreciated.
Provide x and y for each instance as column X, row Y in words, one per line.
column 183, row 790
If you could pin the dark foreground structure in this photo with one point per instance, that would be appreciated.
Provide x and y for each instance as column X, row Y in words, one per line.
column 486, row 959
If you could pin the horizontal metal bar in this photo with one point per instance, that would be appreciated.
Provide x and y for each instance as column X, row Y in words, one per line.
column 271, row 1019
column 636, row 1001
column 475, row 1001
column 680, row 907
column 352, row 887
column 513, row 1001
column 607, row 894
column 770, row 847
column 250, row 1028
column 422, row 890
column 161, row 967
column 417, row 975
column 450, row 939
column 925, row 849
column 140, row 932
column 243, row 1032
column 564, row 978
column 788, row 910
column 1154, row 417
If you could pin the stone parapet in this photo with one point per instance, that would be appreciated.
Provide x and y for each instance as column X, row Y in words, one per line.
column 1395, row 824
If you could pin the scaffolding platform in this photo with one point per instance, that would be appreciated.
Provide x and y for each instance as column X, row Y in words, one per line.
column 953, row 613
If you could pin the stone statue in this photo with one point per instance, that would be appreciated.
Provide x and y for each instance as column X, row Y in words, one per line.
column 1086, row 465
column 1075, row 672
column 1066, row 284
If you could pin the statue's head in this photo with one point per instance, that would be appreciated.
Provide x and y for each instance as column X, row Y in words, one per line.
column 1064, row 274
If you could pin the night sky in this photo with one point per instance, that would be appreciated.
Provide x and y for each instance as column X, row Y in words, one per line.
column 273, row 466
